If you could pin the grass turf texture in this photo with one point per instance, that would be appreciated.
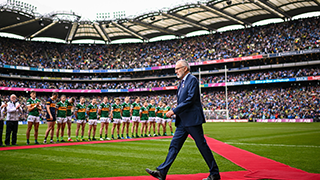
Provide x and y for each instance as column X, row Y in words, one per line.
column 294, row 144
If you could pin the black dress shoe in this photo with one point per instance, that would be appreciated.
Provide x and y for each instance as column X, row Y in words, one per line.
column 156, row 174
column 213, row 177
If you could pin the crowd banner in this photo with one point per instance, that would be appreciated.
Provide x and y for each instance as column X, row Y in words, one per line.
column 291, row 53
column 227, row 120
column 286, row 120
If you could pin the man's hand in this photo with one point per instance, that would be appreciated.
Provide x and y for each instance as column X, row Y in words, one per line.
column 169, row 113
column 18, row 106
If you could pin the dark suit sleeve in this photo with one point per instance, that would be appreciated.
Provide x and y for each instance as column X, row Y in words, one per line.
column 189, row 100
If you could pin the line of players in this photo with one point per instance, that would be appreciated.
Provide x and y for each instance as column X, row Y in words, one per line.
column 60, row 113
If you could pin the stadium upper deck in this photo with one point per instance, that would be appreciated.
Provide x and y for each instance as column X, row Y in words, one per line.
column 203, row 15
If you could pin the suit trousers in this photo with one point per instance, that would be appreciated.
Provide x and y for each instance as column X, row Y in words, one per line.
column 177, row 141
column 12, row 127
column 1, row 131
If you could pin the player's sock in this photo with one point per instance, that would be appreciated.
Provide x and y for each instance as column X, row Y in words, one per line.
column 106, row 136
column 100, row 135
column 76, row 137
column 61, row 138
column 28, row 141
column 35, row 140
column 81, row 137
column 112, row 136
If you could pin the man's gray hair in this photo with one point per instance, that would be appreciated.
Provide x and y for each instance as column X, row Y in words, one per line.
column 13, row 95
column 185, row 63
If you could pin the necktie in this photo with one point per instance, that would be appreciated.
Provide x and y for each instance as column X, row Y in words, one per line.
column 181, row 84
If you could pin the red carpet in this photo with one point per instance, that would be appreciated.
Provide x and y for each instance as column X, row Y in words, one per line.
column 225, row 176
column 77, row 143
column 259, row 167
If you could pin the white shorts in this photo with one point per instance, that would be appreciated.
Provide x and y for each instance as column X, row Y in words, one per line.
column 34, row 119
column 135, row 118
column 116, row 121
column 69, row 118
column 61, row 120
column 152, row 119
column 143, row 121
column 159, row 120
column 81, row 121
column 167, row 120
column 93, row 122
column 105, row 120
column 125, row 119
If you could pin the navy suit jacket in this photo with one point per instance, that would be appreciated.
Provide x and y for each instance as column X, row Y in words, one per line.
column 189, row 109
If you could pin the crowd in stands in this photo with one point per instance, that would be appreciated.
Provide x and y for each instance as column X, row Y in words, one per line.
column 271, row 103
column 213, row 78
column 264, row 103
column 293, row 35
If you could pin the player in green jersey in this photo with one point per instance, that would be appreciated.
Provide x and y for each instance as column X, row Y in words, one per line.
column 166, row 108
column 104, row 112
column 152, row 117
column 33, row 105
column 69, row 103
column 116, row 117
column 61, row 115
column 135, row 111
column 170, row 121
column 80, row 114
column 144, row 116
column 159, row 116
column 51, row 116
column 125, row 112
column 92, row 111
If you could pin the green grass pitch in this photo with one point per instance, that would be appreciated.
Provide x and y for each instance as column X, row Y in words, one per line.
column 294, row 144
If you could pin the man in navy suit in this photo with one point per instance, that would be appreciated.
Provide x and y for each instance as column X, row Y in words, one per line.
column 189, row 120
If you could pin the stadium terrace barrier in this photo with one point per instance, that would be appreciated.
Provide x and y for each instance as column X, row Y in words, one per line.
column 286, row 120
column 227, row 120
column 309, row 78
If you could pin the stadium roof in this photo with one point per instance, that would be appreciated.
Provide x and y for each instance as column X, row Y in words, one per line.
column 178, row 21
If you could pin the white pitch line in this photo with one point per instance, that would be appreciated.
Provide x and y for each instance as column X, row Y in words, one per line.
column 279, row 145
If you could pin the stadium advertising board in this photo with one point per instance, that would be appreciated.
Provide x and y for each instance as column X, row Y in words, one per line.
column 286, row 120
column 227, row 120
